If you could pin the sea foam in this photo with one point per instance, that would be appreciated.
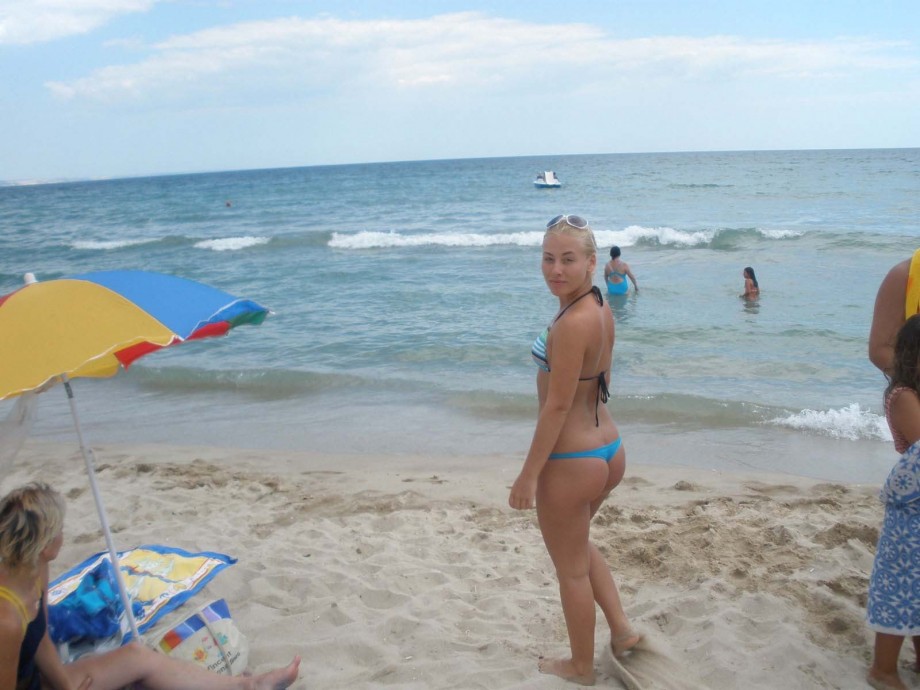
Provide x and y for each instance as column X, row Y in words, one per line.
column 627, row 237
column 851, row 423
column 226, row 244
column 107, row 244
column 379, row 240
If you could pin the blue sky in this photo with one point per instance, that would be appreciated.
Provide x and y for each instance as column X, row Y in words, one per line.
column 110, row 88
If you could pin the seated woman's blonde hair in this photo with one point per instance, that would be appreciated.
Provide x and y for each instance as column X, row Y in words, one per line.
column 30, row 518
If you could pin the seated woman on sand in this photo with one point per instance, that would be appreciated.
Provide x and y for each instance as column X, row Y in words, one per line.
column 31, row 535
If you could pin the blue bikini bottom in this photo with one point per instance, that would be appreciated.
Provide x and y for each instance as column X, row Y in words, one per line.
column 605, row 453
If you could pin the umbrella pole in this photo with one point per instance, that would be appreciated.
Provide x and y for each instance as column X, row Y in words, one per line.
column 103, row 518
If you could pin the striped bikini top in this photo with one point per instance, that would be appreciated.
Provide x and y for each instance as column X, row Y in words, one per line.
column 13, row 598
column 538, row 352
column 538, row 349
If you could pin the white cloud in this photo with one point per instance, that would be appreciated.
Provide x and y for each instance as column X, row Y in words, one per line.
column 38, row 21
column 325, row 54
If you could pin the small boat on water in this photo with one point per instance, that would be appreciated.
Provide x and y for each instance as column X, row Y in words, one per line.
column 546, row 180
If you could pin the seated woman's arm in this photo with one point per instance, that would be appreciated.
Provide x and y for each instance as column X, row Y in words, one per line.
column 10, row 642
column 49, row 661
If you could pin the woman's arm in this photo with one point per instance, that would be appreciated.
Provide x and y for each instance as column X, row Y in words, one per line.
column 888, row 315
column 905, row 415
column 568, row 348
column 49, row 661
column 10, row 643
column 631, row 277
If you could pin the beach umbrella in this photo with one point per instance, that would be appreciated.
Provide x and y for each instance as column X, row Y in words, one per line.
column 95, row 324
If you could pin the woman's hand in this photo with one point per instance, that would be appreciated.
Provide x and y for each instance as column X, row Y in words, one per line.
column 87, row 682
column 523, row 493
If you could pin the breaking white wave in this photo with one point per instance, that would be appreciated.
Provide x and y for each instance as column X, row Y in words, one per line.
column 851, row 423
column 781, row 234
column 226, row 244
column 627, row 237
column 378, row 240
column 107, row 244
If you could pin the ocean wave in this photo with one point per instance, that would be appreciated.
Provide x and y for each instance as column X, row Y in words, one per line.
column 851, row 423
column 262, row 384
column 382, row 240
column 781, row 234
column 660, row 236
column 669, row 409
column 226, row 244
column 722, row 238
column 107, row 244
column 706, row 185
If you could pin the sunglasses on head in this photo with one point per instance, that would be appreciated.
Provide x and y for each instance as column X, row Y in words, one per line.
column 574, row 221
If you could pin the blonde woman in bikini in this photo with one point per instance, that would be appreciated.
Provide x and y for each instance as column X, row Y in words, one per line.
column 31, row 535
column 576, row 457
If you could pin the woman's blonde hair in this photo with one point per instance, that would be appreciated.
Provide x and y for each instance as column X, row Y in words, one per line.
column 585, row 235
column 30, row 518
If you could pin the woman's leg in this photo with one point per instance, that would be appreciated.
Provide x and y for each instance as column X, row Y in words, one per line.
column 884, row 671
column 605, row 589
column 607, row 597
column 135, row 663
column 564, row 497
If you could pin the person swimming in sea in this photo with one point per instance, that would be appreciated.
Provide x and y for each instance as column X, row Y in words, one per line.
column 751, row 288
column 615, row 273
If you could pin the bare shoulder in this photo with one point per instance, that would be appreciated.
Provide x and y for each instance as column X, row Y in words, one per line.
column 904, row 414
column 10, row 624
column 905, row 399
column 581, row 318
column 888, row 313
column 895, row 281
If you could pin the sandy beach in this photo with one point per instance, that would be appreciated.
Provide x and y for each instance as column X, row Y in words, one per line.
column 381, row 571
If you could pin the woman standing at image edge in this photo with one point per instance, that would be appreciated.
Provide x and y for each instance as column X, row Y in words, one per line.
column 31, row 536
column 893, row 607
column 575, row 457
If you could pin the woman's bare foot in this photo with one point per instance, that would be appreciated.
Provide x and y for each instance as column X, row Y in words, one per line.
column 278, row 679
column 885, row 681
column 565, row 669
column 621, row 644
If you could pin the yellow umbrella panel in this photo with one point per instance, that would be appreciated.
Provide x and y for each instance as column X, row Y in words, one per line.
column 68, row 327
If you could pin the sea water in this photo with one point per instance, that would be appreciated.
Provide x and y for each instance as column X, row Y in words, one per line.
column 406, row 297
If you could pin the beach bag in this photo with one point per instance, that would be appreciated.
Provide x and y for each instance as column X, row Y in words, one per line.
column 208, row 638
column 903, row 483
column 92, row 611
